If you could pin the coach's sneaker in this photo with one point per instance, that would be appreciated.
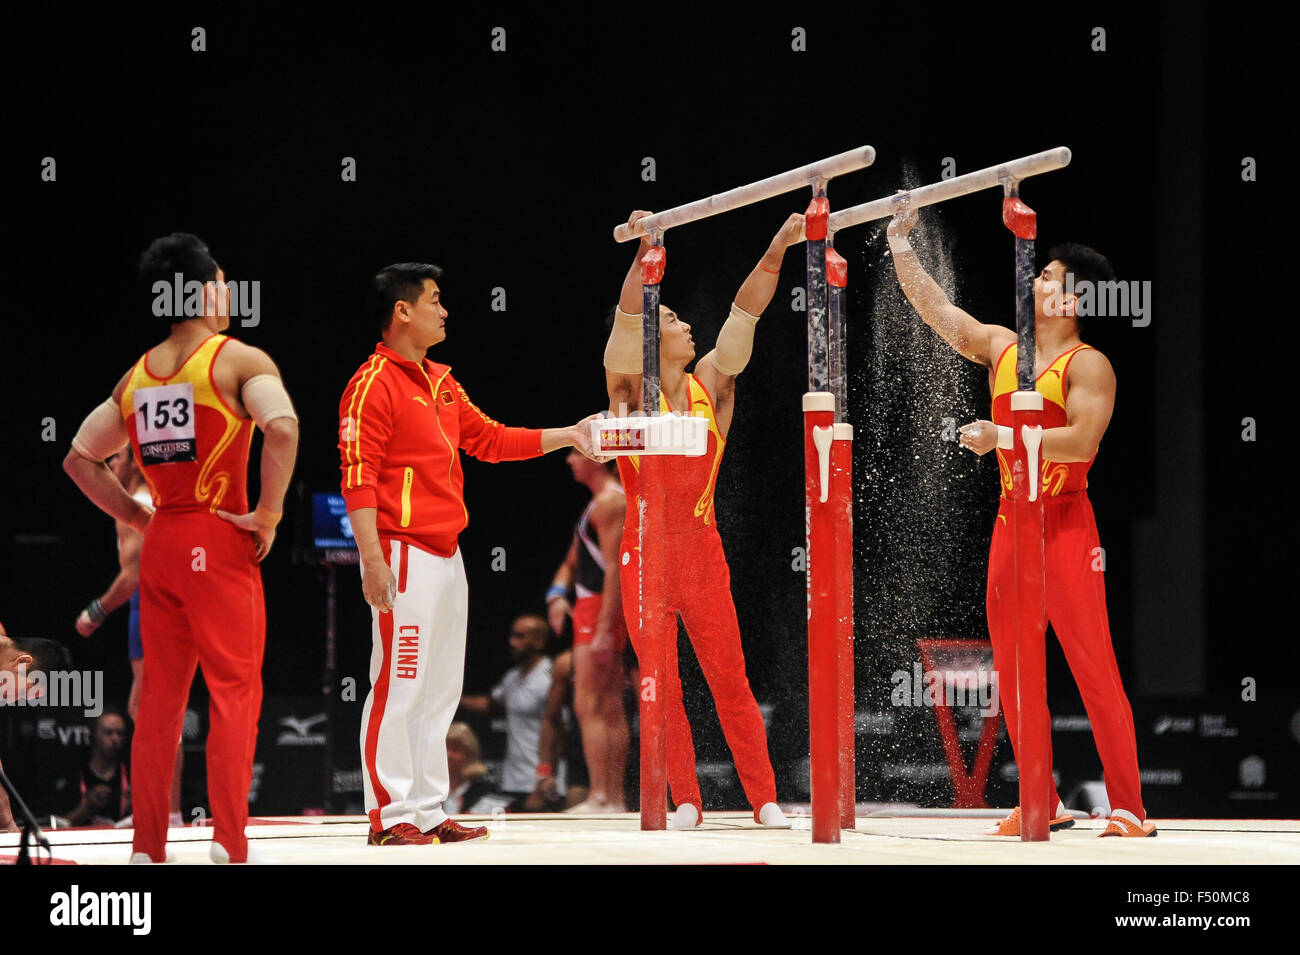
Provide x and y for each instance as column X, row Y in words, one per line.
column 771, row 816
column 218, row 854
column 687, row 816
column 1124, row 825
column 452, row 831
column 1010, row 826
column 402, row 834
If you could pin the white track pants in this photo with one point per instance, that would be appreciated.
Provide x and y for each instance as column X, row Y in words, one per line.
column 417, row 668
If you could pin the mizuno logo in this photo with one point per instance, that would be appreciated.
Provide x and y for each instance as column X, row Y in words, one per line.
column 302, row 726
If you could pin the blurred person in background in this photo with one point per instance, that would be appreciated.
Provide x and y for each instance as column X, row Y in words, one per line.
column 521, row 696
column 599, row 632
column 470, row 783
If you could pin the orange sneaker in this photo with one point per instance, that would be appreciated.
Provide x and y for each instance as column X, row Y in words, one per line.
column 1010, row 826
column 1119, row 826
column 452, row 831
column 402, row 834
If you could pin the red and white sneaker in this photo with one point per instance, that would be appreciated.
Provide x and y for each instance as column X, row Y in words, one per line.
column 402, row 834
column 1119, row 826
column 1010, row 826
column 452, row 831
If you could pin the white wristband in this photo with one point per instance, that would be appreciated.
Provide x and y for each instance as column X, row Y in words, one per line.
column 1006, row 438
column 899, row 243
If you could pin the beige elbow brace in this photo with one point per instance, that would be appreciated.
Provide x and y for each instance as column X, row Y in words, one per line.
column 265, row 398
column 103, row 433
column 735, row 342
column 623, row 350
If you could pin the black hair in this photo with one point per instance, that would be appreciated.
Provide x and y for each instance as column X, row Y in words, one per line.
column 178, row 252
column 400, row 282
column 47, row 655
column 1086, row 264
column 112, row 709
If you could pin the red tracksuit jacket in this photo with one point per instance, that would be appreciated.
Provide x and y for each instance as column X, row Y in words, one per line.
column 400, row 425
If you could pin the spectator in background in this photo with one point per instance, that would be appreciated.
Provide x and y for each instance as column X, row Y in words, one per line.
column 470, row 783
column 559, row 738
column 102, row 786
column 29, row 656
column 521, row 696
column 20, row 660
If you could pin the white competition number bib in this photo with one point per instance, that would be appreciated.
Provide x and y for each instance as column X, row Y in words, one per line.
column 164, row 418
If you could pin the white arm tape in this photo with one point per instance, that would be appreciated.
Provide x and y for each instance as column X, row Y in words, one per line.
column 623, row 350
column 103, row 433
column 265, row 398
column 735, row 342
column 1006, row 438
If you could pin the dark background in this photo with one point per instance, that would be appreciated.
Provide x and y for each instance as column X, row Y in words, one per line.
column 510, row 169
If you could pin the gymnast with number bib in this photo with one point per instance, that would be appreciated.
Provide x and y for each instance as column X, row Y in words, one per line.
column 703, row 595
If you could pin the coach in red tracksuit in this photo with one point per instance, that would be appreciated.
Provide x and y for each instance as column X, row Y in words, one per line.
column 402, row 421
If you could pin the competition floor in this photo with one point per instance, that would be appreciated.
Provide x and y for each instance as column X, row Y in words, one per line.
column 882, row 837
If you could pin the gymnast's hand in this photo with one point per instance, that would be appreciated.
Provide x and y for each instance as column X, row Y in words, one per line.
column 905, row 216
column 632, row 221
column 791, row 232
column 263, row 535
column 979, row 436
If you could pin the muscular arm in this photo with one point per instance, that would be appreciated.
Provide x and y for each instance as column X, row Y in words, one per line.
column 717, row 370
column 558, row 607
column 128, row 574
column 1090, row 401
column 279, row 434
column 92, row 475
column 970, row 338
column 624, row 385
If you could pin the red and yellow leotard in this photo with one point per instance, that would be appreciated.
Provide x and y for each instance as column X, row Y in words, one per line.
column 690, row 494
column 1058, row 477
column 191, row 445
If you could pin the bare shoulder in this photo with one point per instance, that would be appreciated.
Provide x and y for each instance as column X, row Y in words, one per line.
column 1090, row 366
column 610, row 505
column 999, row 338
column 720, row 387
column 246, row 360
